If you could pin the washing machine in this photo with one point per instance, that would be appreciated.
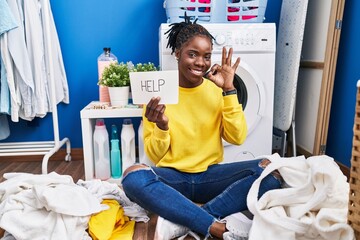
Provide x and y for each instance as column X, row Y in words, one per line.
column 255, row 44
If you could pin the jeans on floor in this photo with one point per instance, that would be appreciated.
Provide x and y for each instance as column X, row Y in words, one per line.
column 172, row 194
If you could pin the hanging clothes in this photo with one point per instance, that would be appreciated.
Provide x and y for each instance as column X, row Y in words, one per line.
column 23, row 82
column 31, row 61
column 7, row 22
column 35, row 47
column 53, row 54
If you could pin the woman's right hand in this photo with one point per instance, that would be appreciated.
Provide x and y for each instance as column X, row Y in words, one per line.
column 155, row 113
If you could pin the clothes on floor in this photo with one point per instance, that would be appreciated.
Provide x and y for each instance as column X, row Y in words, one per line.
column 312, row 205
column 106, row 190
column 111, row 224
column 52, row 206
column 45, row 207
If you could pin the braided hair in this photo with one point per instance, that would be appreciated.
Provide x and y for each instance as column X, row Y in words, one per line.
column 180, row 33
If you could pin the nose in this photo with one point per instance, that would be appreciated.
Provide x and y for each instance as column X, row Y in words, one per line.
column 200, row 61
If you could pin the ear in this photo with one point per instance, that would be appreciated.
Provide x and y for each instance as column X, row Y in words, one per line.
column 177, row 54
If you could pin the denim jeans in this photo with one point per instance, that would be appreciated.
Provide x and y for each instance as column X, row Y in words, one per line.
column 173, row 195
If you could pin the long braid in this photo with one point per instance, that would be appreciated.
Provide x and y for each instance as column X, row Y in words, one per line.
column 180, row 33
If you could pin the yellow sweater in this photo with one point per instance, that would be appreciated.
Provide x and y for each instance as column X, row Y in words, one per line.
column 197, row 125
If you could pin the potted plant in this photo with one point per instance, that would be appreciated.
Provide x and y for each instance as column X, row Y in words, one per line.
column 116, row 78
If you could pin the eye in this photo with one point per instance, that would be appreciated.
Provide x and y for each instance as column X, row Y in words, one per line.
column 208, row 57
column 192, row 55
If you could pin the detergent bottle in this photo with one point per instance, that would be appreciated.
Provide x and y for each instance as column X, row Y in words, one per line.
column 142, row 156
column 115, row 157
column 127, row 144
column 101, row 151
column 104, row 60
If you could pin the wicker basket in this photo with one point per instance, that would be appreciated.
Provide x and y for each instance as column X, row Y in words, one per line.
column 216, row 11
column 354, row 195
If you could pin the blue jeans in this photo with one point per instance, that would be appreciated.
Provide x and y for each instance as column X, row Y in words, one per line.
column 172, row 194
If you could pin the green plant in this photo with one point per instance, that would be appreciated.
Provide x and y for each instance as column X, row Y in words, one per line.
column 144, row 67
column 117, row 74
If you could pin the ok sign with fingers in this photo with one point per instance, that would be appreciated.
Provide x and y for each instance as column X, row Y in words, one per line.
column 223, row 75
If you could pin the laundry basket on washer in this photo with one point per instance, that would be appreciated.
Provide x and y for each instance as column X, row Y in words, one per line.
column 354, row 195
column 216, row 11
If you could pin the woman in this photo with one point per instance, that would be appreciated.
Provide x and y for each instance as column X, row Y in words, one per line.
column 188, row 188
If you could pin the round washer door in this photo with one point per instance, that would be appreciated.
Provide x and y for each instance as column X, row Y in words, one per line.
column 251, row 93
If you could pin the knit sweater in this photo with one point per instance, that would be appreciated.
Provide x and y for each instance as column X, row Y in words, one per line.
column 197, row 125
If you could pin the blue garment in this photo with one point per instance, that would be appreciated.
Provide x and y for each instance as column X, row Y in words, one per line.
column 4, row 127
column 172, row 194
column 4, row 90
column 7, row 22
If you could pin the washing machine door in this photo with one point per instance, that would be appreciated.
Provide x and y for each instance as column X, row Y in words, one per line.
column 251, row 93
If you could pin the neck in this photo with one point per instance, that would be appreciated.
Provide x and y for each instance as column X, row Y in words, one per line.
column 189, row 84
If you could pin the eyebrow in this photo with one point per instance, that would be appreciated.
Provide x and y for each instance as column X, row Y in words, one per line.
column 194, row 50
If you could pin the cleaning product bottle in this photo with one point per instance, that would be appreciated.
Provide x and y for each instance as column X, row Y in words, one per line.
column 114, row 132
column 101, row 151
column 127, row 144
column 142, row 156
column 115, row 157
column 104, row 60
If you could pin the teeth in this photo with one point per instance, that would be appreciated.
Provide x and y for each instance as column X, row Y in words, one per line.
column 197, row 71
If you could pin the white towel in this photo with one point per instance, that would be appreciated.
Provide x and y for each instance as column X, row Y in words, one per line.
column 49, row 206
column 17, row 182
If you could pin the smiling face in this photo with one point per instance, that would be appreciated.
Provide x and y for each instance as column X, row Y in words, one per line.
column 194, row 60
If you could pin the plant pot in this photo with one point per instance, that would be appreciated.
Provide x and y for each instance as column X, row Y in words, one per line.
column 119, row 96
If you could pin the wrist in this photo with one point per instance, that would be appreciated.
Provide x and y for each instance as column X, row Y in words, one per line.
column 229, row 92
column 228, row 86
column 226, row 89
column 163, row 127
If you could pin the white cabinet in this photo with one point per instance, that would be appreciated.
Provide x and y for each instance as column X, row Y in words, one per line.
column 88, row 115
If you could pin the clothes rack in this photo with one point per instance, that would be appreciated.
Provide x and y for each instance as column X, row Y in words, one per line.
column 46, row 148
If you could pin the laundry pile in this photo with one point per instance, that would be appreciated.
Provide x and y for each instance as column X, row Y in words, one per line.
column 52, row 206
column 313, row 204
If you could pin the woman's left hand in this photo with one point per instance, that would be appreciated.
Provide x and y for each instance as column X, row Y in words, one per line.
column 223, row 76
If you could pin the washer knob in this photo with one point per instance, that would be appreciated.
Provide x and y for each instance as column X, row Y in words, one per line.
column 220, row 39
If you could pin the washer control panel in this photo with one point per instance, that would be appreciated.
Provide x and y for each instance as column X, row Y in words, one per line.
column 245, row 39
column 242, row 37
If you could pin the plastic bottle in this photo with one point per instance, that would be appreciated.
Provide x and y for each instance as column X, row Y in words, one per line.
column 104, row 60
column 101, row 151
column 114, row 132
column 127, row 144
column 116, row 170
column 142, row 156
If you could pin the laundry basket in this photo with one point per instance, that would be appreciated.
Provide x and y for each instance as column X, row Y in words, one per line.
column 216, row 11
column 354, row 195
